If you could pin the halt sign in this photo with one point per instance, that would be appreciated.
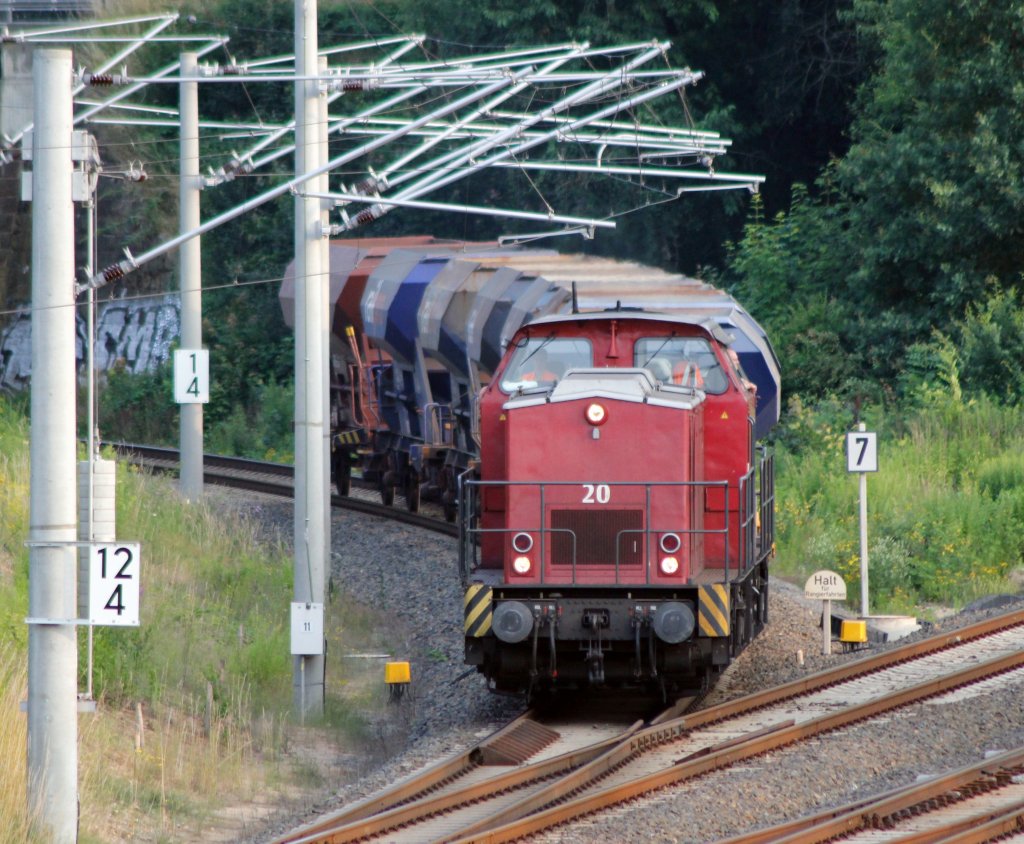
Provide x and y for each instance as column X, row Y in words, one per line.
column 825, row 586
column 114, row 584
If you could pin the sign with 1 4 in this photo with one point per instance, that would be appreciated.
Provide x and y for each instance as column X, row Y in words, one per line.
column 191, row 376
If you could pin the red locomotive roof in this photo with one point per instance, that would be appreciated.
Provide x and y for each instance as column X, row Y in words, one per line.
column 698, row 320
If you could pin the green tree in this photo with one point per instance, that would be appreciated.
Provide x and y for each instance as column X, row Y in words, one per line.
column 935, row 173
column 788, row 273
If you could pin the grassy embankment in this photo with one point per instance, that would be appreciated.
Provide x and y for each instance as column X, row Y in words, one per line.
column 946, row 508
column 214, row 628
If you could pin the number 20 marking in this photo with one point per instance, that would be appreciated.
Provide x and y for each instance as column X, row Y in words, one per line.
column 596, row 493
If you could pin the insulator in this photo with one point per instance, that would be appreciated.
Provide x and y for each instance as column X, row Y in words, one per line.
column 113, row 273
column 352, row 85
column 364, row 217
column 101, row 79
column 369, row 185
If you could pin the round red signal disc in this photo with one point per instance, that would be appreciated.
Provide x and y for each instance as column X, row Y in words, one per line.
column 596, row 414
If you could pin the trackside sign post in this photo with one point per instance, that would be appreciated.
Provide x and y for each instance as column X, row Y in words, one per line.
column 861, row 458
column 307, row 639
column 191, row 376
column 114, row 584
column 825, row 586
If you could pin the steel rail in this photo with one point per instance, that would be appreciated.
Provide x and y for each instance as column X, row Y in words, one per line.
column 419, row 798
column 273, row 479
column 338, row 830
column 886, row 810
column 549, row 808
column 569, row 775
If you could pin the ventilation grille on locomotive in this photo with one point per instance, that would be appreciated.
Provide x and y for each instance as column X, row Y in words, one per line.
column 597, row 532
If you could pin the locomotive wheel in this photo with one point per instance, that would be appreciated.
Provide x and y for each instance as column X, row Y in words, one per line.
column 412, row 493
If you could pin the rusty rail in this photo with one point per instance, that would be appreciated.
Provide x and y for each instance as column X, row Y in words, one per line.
column 886, row 810
column 272, row 479
column 530, row 817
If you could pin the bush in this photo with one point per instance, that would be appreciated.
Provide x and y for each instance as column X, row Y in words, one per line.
column 139, row 407
column 944, row 509
column 265, row 431
column 1000, row 474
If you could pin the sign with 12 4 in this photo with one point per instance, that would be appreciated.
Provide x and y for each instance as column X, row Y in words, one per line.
column 114, row 584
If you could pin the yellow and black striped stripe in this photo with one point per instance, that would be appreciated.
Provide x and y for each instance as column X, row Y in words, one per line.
column 349, row 437
column 478, row 609
column 713, row 614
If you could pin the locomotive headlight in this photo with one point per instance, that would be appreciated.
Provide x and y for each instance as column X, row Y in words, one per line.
column 522, row 565
column 596, row 414
column 669, row 565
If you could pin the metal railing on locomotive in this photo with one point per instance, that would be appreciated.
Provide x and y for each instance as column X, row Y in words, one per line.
column 756, row 522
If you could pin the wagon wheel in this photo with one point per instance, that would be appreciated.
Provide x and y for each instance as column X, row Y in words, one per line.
column 387, row 494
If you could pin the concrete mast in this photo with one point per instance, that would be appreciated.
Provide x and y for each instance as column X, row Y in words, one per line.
column 190, row 268
column 311, row 542
column 53, row 522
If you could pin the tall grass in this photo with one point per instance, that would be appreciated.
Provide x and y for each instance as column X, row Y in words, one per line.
column 14, row 816
column 945, row 508
column 194, row 704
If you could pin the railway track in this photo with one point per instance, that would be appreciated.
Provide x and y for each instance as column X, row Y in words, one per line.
column 545, row 789
column 464, row 790
column 978, row 803
column 542, row 771
column 279, row 479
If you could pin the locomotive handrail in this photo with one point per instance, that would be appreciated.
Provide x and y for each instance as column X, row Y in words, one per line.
column 766, row 501
column 750, row 532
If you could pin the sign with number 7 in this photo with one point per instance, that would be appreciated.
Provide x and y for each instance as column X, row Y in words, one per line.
column 861, row 451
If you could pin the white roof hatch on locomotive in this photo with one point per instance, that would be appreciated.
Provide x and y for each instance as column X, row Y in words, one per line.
column 625, row 384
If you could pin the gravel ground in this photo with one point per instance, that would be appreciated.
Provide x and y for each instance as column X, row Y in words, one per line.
column 375, row 562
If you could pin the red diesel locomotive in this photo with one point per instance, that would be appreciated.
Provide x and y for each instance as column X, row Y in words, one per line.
column 618, row 528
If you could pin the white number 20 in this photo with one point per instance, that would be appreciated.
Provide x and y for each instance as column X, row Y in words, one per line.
column 596, row 493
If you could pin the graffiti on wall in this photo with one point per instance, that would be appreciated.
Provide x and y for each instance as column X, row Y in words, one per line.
column 136, row 334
